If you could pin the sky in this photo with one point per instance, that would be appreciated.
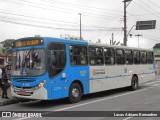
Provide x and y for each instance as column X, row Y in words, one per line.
column 99, row 19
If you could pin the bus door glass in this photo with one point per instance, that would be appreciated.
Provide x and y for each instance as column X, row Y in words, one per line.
column 56, row 59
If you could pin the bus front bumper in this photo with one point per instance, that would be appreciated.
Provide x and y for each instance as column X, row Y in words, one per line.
column 39, row 94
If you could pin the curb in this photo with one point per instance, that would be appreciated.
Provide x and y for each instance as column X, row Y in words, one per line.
column 9, row 101
column 13, row 101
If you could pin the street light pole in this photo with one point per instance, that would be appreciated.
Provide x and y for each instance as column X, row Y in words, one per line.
column 80, row 27
column 130, row 30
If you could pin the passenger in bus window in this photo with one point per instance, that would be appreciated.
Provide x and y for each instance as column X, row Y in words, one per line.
column 99, row 62
column 53, row 59
column 112, row 60
column 71, row 56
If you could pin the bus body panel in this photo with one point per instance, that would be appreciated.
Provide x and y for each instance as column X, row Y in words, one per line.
column 93, row 78
column 60, row 86
column 111, row 77
column 72, row 74
column 41, row 93
column 29, row 85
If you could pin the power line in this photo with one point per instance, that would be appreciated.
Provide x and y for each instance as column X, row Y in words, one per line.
column 148, row 6
column 154, row 4
column 106, row 34
column 150, row 38
column 138, row 35
column 46, row 19
column 50, row 27
column 158, row 38
column 62, row 10
column 144, row 8
column 146, row 14
column 86, row 7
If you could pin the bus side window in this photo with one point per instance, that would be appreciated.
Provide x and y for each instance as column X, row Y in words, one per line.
column 149, row 57
column 109, row 54
column 78, row 55
column 143, row 57
column 136, row 57
column 129, row 57
column 96, row 56
column 120, row 59
column 91, row 54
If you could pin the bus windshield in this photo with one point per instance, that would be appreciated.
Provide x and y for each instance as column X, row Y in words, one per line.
column 28, row 62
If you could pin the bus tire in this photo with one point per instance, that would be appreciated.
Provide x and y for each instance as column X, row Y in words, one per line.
column 134, row 83
column 75, row 93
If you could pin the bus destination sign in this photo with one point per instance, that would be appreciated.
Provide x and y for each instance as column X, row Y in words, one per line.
column 27, row 42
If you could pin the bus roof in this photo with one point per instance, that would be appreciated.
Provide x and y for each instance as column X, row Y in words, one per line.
column 62, row 40
column 116, row 46
column 50, row 39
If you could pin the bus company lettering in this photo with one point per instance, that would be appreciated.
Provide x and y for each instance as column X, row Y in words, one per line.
column 83, row 72
column 19, row 44
column 27, row 43
column 98, row 71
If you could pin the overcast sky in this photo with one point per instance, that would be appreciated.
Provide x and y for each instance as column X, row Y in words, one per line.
column 100, row 18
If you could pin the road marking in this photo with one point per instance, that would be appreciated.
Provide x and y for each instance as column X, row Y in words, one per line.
column 155, row 85
column 99, row 100
column 127, row 118
column 151, row 83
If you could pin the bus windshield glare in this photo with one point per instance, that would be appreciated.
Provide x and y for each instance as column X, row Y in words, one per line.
column 28, row 62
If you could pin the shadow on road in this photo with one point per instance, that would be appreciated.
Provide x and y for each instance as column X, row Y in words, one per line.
column 61, row 102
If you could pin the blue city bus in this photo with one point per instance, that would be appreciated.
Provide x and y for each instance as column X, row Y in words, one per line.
column 45, row 68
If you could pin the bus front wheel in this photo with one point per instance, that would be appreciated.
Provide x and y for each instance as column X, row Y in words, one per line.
column 75, row 93
column 134, row 83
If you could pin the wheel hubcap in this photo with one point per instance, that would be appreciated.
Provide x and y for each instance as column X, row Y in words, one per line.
column 135, row 84
column 75, row 92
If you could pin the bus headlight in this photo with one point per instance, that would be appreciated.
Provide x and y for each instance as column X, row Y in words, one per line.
column 41, row 84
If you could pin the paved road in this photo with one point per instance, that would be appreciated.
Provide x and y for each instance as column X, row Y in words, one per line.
column 146, row 98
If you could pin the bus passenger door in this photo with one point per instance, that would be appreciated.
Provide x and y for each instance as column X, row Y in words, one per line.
column 56, row 64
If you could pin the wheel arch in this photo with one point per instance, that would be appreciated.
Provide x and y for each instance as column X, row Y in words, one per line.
column 135, row 75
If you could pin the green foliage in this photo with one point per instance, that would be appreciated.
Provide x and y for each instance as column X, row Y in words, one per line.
column 37, row 36
column 6, row 44
column 72, row 37
column 157, row 46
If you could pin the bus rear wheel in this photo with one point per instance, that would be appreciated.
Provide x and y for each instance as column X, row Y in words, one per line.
column 75, row 93
column 134, row 83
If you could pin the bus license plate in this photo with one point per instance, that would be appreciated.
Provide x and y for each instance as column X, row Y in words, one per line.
column 22, row 92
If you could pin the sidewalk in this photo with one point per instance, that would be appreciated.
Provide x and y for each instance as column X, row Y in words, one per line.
column 4, row 101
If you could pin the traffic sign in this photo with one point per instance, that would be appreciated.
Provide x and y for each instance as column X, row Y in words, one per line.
column 145, row 25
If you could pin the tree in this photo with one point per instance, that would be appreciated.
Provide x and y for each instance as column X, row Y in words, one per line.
column 71, row 37
column 157, row 46
column 6, row 44
column 37, row 36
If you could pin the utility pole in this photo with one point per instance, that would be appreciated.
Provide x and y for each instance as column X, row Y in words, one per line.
column 112, row 38
column 125, row 22
column 138, row 35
